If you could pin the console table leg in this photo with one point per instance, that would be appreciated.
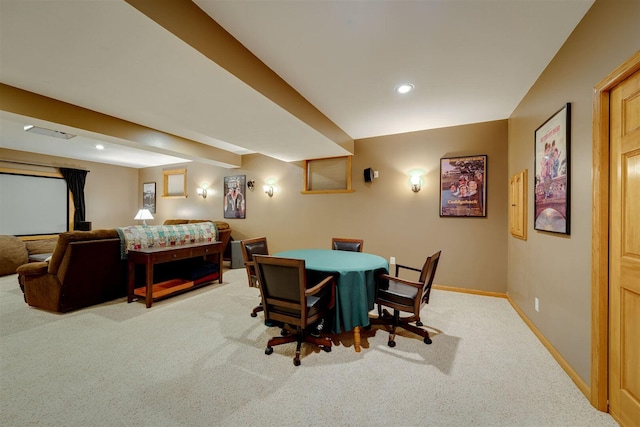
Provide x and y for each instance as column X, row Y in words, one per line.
column 356, row 338
column 131, row 282
column 149, row 279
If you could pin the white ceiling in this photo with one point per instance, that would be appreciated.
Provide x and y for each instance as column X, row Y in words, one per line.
column 470, row 61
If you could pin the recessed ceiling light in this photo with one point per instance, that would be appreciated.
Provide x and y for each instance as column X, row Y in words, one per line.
column 100, row 147
column 404, row 88
column 48, row 132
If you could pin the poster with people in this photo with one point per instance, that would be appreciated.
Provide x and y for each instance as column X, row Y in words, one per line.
column 234, row 201
column 552, row 173
column 463, row 190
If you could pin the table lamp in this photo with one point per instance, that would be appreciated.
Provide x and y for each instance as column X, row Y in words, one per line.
column 144, row 215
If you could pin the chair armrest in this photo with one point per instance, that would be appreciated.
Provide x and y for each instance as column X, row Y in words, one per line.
column 415, row 284
column 33, row 268
column 317, row 288
column 399, row 266
column 328, row 281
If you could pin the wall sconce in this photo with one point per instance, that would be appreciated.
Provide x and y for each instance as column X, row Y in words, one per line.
column 202, row 191
column 144, row 215
column 270, row 187
column 416, row 183
column 251, row 184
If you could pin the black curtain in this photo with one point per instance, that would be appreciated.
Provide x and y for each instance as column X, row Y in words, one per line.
column 76, row 179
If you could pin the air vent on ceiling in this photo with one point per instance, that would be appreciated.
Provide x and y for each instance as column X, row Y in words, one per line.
column 48, row 132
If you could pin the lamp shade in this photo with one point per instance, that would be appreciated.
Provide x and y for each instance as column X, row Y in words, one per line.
column 143, row 214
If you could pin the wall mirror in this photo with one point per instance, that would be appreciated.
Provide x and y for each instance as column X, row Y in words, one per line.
column 328, row 175
column 174, row 183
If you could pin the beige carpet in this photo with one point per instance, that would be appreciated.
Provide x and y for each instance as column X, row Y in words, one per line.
column 198, row 360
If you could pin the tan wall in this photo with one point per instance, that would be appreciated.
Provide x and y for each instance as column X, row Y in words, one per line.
column 111, row 192
column 555, row 268
column 392, row 220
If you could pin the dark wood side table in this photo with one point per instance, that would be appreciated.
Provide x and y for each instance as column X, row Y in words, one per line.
column 157, row 255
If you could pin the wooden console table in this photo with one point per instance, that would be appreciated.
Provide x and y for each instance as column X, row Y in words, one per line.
column 157, row 255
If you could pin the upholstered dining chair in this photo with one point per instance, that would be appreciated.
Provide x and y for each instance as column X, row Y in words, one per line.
column 251, row 247
column 406, row 296
column 341, row 244
column 286, row 299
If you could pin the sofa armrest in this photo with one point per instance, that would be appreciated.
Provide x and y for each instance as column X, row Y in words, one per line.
column 33, row 268
column 40, row 288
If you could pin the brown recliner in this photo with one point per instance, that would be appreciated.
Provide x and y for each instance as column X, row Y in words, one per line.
column 85, row 269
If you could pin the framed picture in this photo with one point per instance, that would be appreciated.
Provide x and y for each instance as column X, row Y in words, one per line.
column 234, row 202
column 149, row 196
column 552, row 142
column 463, row 187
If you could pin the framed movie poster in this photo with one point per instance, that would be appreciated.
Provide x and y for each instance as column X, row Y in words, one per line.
column 552, row 142
column 463, row 187
column 149, row 196
column 234, row 201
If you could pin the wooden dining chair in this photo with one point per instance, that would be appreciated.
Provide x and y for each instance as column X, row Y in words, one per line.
column 251, row 247
column 287, row 300
column 406, row 296
column 341, row 244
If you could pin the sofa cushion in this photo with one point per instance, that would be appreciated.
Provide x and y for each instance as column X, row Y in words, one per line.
column 175, row 221
column 39, row 257
column 13, row 253
column 41, row 246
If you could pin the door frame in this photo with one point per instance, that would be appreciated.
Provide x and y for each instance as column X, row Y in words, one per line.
column 600, row 233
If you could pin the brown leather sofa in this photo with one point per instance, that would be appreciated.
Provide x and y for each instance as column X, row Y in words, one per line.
column 85, row 269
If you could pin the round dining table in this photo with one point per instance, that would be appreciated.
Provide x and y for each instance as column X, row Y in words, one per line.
column 355, row 274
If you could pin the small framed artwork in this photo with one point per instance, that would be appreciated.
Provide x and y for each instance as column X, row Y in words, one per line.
column 463, row 186
column 234, row 202
column 149, row 196
column 552, row 143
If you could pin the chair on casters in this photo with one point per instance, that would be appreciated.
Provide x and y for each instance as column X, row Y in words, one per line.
column 405, row 296
column 251, row 247
column 286, row 299
column 353, row 245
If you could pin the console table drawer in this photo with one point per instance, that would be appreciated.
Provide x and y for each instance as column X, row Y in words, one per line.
column 173, row 255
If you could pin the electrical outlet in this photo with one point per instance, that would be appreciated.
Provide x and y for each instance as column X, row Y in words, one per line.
column 375, row 174
column 392, row 260
column 536, row 304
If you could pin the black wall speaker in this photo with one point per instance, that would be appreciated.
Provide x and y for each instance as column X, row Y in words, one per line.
column 368, row 175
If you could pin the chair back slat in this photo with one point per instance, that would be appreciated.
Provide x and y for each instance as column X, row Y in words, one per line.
column 427, row 275
column 251, row 247
column 342, row 244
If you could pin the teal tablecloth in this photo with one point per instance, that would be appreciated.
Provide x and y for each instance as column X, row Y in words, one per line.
column 356, row 284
